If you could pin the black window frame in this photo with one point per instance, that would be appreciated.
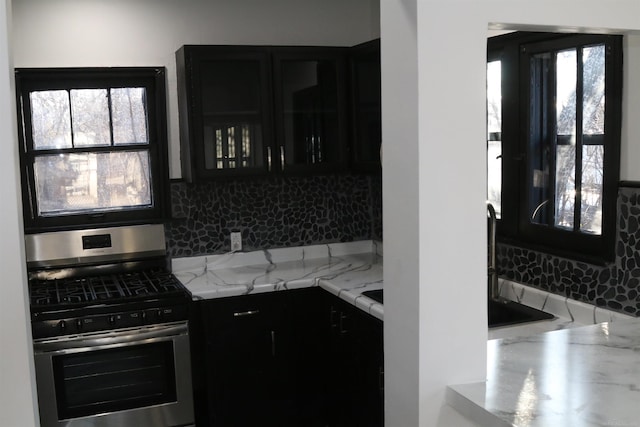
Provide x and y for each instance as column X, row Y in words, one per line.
column 153, row 79
column 514, row 50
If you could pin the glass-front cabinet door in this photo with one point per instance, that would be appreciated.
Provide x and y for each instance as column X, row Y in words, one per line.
column 310, row 108
column 225, row 110
column 251, row 110
column 366, row 106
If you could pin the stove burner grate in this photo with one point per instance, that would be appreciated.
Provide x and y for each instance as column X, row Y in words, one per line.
column 104, row 288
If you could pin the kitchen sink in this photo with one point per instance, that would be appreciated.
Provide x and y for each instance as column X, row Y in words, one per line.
column 504, row 313
column 375, row 295
column 501, row 313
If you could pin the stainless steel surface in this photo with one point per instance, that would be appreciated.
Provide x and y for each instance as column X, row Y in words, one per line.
column 102, row 340
column 494, row 292
column 66, row 247
column 178, row 413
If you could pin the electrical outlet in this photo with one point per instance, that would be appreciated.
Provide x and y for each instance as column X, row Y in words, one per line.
column 236, row 241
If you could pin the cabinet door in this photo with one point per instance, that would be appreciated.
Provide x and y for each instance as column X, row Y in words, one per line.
column 310, row 109
column 366, row 106
column 343, row 376
column 309, row 358
column 355, row 375
column 224, row 111
column 248, row 378
column 371, row 364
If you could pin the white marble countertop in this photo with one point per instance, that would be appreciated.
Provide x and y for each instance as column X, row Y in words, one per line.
column 344, row 269
column 569, row 313
column 585, row 376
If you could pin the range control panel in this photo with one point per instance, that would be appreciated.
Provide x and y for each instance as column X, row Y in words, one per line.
column 105, row 322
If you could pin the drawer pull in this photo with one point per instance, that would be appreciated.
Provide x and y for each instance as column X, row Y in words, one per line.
column 245, row 313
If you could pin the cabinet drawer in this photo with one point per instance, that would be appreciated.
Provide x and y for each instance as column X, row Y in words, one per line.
column 260, row 309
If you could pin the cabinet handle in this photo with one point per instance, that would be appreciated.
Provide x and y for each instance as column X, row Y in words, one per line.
column 381, row 379
column 332, row 317
column 343, row 317
column 282, row 157
column 269, row 159
column 273, row 343
column 245, row 313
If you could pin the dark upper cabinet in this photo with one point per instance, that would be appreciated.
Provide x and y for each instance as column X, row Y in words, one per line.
column 310, row 95
column 224, row 96
column 250, row 110
column 366, row 116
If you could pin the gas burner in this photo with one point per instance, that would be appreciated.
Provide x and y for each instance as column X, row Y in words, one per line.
column 104, row 288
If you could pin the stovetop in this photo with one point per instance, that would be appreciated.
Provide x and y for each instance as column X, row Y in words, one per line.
column 103, row 289
column 89, row 304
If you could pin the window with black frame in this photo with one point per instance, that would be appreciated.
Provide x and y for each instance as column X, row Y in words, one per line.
column 93, row 146
column 554, row 119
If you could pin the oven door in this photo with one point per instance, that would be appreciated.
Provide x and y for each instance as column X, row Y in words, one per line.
column 134, row 377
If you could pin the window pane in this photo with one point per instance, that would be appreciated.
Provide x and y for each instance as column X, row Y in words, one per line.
column 565, row 185
column 129, row 115
column 90, row 113
column 494, row 137
column 566, row 92
column 591, row 195
column 593, row 97
column 71, row 183
column 50, row 119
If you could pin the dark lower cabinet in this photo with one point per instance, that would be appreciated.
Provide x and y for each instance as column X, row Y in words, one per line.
column 244, row 349
column 295, row 358
column 355, row 364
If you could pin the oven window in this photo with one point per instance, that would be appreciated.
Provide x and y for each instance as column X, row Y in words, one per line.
column 93, row 146
column 103, row 381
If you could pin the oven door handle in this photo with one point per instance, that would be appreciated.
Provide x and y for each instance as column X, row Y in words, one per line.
column 111, row 339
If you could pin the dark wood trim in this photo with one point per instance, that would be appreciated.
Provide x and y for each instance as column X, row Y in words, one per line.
column 629, row 184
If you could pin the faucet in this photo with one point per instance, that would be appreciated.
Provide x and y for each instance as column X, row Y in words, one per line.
column 494, row 292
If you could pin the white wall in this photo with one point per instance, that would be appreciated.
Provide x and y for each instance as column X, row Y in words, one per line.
column 434, row 184
column 66, row 33
column 630, row 150
column 17, row 402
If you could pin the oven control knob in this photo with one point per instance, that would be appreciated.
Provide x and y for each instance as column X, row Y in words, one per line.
column 111, row 319
column 159, row 314
column 62, row 325
column 143, row 315
column 79, row 324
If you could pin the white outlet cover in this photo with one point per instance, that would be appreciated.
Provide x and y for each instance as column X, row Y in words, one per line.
column 236, row 241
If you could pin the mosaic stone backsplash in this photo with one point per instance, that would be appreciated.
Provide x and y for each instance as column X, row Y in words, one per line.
column 615, row 286
column 273, row 212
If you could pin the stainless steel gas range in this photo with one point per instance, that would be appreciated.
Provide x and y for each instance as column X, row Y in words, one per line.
column 110, row 329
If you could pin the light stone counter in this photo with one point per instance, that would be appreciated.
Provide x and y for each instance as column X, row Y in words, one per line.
column 344, row 269
column 587, row 376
